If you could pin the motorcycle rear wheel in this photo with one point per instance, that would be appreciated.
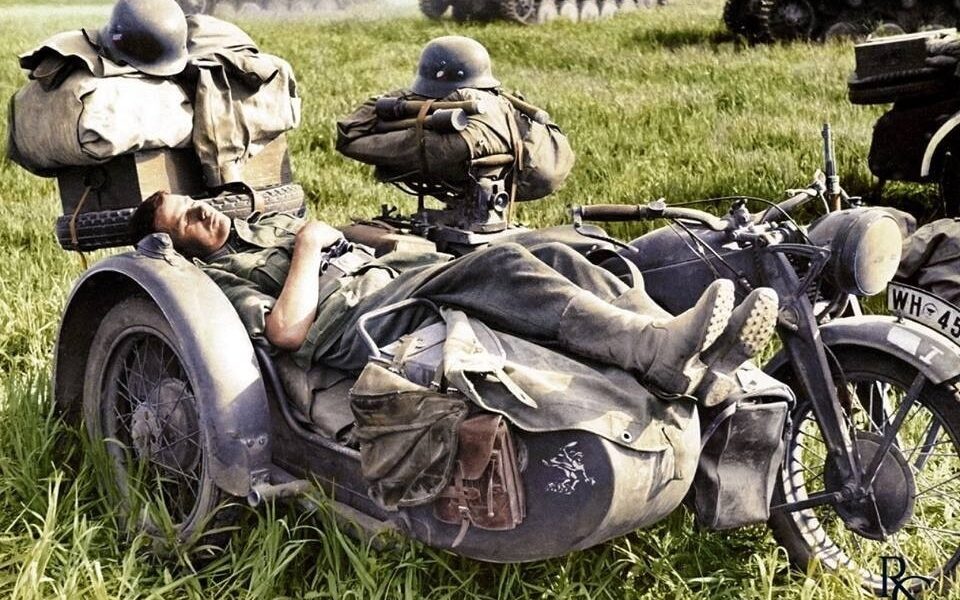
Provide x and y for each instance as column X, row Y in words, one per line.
column 923, row 464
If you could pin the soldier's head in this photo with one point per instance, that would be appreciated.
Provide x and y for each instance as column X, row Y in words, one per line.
column 452, row 62
column 195, row 228
column 148, row 35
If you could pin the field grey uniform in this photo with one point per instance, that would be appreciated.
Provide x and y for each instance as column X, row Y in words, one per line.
column 522, row 291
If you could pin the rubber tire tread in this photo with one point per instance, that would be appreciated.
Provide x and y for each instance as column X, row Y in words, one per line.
column 108, row 228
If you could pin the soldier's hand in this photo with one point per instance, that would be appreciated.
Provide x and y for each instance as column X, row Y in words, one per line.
column 315, row 236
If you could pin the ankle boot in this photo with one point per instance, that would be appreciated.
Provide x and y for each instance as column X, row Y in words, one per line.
column 750, row 328
column 662, row 352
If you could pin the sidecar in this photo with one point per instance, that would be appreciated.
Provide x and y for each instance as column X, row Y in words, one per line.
column 916, row 140
column 190, row 412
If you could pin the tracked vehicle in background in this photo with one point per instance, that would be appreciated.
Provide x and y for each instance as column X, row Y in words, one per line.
column 531, row 12
column 228, row 8
column 767, row 21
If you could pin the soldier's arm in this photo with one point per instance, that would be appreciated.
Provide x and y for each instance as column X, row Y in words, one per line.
column 289, row 321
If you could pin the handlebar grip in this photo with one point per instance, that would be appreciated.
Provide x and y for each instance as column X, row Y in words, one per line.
column 639, row 212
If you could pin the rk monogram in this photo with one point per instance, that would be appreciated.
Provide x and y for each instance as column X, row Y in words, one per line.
column 896, row 585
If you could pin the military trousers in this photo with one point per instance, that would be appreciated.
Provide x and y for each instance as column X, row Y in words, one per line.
column 519, row 290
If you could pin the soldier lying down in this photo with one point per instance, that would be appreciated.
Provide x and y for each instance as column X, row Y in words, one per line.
column 268, row 266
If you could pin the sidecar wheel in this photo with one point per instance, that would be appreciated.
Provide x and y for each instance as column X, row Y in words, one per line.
column 915, row 512
column 147, row 437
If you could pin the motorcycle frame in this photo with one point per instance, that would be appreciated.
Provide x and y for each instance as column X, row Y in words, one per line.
column 798, row 329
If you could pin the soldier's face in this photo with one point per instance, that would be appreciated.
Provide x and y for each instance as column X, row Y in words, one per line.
column 195, row 227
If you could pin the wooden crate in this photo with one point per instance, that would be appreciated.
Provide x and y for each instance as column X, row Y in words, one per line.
column 895, row 54
column 123, row 182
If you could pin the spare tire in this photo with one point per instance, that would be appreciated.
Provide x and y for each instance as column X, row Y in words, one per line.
column 108, row 228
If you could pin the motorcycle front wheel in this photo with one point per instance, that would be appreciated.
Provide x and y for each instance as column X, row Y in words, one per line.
column 906, row 535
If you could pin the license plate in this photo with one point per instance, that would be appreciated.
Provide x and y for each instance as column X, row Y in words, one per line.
column 924, row 308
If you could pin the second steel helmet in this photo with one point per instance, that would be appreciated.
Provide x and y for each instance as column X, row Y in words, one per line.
column 148, row 35
column 451, row 62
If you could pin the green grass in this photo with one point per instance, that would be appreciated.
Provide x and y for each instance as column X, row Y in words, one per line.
column 659, row 103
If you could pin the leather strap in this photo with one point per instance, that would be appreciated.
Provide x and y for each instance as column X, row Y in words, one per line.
column 517, row 145
column 422, row 152
column 74, row 237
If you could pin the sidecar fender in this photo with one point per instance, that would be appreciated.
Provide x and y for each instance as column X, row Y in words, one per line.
column 932, row 353
column 212, row 342
column 936, row 144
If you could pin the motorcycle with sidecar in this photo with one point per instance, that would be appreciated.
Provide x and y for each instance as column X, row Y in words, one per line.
column 856, row 458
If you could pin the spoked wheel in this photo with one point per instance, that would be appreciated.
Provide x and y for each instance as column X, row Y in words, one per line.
column 790, row 20
column 912, row 512
column 141, row 411
column 521, row 11
column 434, row 9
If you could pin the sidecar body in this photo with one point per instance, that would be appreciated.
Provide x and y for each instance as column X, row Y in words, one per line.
column 581, row 488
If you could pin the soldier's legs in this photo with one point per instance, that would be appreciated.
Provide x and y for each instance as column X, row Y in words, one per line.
column 509, row 288
column 601, row 282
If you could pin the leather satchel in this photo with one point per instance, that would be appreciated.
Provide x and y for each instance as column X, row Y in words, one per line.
column 485, row 490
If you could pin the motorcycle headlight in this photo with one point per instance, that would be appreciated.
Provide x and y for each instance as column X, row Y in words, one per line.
column 865, row 244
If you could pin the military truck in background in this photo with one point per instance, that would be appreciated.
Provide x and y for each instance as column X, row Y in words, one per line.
column 531, row 12
column 767, row 21
column 231, row 7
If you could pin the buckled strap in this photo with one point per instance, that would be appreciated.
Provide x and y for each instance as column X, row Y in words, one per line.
column 349, row 263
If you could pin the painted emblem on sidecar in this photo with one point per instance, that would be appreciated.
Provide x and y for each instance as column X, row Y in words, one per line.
column 569, row 461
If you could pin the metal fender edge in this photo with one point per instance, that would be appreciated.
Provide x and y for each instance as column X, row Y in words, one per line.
column 213, row 344
column 935, row 355
column 935, row 142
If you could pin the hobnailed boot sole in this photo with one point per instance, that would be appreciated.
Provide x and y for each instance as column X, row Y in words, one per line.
column 748, row 332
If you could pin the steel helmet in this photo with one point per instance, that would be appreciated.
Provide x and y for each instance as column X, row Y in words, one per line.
column 451, row 62
column 148, row 35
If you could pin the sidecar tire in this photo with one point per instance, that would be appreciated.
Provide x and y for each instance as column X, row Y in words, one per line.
column 137, row 393
column 806, row 535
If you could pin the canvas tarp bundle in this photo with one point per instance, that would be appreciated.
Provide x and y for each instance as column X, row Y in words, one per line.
column 231, row 101
column 547, row 156
column 931, row 259
column 88, row 120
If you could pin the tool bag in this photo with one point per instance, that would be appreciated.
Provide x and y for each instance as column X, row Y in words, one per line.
column 407, row 435
column 486, row 490
column 740, row 458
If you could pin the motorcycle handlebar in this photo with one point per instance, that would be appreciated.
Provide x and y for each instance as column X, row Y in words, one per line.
column 640, row 212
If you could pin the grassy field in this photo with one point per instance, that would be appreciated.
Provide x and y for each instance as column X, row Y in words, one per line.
column 660, row 103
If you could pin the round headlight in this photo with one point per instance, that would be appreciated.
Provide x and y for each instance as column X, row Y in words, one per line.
column 865, row 244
